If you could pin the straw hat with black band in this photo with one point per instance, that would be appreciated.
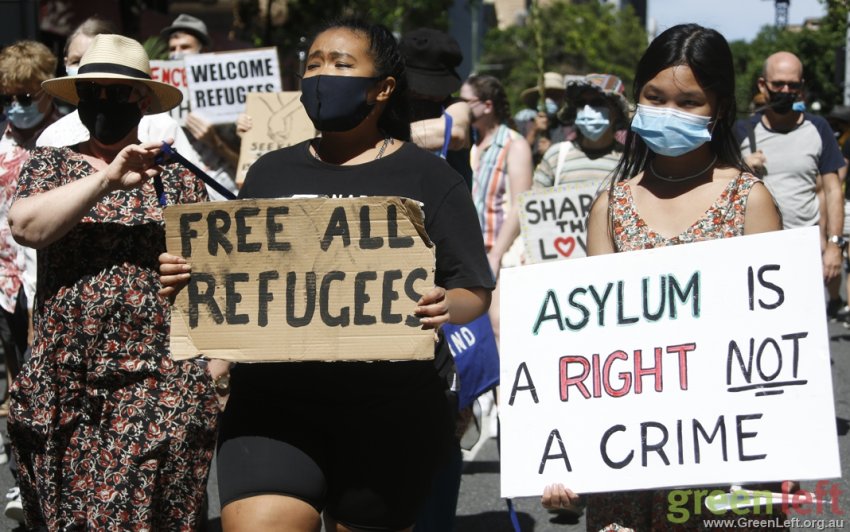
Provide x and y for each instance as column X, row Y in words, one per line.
column 115, row 57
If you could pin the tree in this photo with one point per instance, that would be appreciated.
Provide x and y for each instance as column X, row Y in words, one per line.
column 302, row 18
column 816, row 48
column 578, row 38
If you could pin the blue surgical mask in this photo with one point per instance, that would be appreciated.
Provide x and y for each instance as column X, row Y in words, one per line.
column 670, row 132
column 551, row 106
column 24, row 117
column 798, row 106
column 72, row 70
column 593, row 122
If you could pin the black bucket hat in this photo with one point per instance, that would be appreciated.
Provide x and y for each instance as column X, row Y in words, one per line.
column 431, row 57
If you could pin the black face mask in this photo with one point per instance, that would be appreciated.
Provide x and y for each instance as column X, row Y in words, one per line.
column 781, row 102
column 108, row 122
column 336, row 103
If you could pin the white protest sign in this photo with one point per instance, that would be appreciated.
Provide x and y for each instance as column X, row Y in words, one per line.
column 173, row 73
column 553, row 221
column 676, row 366
column 220, row 82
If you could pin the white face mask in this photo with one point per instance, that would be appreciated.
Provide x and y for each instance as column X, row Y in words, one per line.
column 592, row 122
column 176, row 55
column 72, row 70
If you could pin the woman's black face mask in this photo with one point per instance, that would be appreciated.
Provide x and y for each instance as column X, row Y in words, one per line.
column 108, row 119
column 336, row 103
column 109, row 122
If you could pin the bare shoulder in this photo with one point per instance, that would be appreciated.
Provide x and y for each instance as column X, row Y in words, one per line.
column 599, row 240
column 762, row 213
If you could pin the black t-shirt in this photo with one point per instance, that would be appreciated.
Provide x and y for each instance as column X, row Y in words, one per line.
column 450, row 221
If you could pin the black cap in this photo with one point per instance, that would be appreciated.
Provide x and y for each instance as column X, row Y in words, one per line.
column 431, row 57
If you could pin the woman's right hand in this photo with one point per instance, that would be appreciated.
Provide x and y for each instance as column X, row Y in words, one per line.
column 557, row 496
column 174, row 273
column 133, row 165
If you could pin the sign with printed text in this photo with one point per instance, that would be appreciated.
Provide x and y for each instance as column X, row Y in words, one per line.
column 279, row 120
column 553, row 221
column 696, row 364
column 219, row 83
column 173, row 73
column 301, row 279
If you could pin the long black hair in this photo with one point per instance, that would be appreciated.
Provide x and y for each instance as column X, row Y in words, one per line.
column 709, row 57
column 385, row 53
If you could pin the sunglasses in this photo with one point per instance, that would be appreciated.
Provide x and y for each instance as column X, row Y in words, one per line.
column 779, row 85
column 24, row 100
column 89, row 91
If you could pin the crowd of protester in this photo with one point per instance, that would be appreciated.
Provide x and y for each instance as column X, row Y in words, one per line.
column 109, row 433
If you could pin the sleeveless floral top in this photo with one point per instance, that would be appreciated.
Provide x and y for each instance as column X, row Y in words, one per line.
column 724, row 219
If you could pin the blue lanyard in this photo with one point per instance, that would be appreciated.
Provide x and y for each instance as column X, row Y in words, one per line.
column 447, row 135
column 170, row 153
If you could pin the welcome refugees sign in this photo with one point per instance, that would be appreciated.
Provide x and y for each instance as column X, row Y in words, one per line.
column 220, row 82
column 301, row 279
column 675, row 366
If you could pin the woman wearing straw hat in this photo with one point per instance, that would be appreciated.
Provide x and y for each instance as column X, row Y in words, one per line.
column 109, row 432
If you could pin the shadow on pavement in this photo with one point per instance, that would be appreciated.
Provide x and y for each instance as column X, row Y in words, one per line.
column 493, row 522
column 484, row 466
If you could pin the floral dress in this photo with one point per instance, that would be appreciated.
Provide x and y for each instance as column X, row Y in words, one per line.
column 647, row 510
column 108, row 431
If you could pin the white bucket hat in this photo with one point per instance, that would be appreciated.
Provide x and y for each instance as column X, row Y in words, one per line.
column 115, row 57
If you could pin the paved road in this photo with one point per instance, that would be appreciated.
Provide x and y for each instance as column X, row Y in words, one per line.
column 481, row 510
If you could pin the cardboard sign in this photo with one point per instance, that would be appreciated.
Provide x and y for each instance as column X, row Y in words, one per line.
column 696, row 364
column 279, row 121
column 173, row 73
column 553, row 221
column 219, row 83
column 301, row 279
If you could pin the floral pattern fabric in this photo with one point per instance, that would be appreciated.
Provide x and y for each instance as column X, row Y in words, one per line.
column 11, row 255
column 647, row 510
column 108, row 431
column 724, row 219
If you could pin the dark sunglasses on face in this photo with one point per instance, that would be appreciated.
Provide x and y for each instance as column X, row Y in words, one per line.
column 779, row 85
column 24, row 100
column 89, row 91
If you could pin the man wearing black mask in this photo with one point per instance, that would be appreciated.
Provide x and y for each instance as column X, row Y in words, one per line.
column 796, row 154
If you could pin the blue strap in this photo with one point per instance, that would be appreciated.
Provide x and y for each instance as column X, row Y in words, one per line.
column 512, row 513
column 447, row 135
column 172, row 153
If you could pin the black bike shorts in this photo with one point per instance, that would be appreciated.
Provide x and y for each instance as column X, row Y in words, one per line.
column 360, row 441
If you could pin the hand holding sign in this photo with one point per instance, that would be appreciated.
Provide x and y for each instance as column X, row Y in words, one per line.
column 433, row 308
column 174, row 273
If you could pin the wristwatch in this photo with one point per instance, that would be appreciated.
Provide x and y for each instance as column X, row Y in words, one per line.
column 222, row 384
column 838, row 240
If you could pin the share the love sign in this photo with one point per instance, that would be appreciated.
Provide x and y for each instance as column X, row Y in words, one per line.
column 553, row 221
column 698, row 364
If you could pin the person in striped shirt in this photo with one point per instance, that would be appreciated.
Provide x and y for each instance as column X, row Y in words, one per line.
column 597, row 107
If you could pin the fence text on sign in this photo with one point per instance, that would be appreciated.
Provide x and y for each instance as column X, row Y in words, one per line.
column 220, row 82
column 677, row 366
column 173, row 73
column 301, row 279
column 553, row 221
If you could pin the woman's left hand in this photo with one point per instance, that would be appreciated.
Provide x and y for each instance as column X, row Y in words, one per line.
column 433, row 308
